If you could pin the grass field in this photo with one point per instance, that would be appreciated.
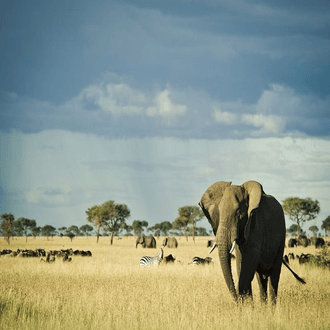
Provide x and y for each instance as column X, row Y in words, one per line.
column 111, row 291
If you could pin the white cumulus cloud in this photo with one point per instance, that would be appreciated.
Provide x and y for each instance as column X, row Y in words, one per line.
column 164, row 107
column 225, row 117
column 122, row 99
column 267, row 124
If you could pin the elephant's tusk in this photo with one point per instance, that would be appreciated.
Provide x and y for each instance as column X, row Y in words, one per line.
column 213, row 247
column 233, row 247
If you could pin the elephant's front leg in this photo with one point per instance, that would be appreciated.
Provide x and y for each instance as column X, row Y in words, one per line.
column 248, row 269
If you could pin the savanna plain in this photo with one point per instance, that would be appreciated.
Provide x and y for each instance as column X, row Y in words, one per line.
column 111, row 291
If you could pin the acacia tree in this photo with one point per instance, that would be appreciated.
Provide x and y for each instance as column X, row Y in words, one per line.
column 48, row 230
column 71, row 235
column 154, row 230
column 326, row 225
column 138, row 226
column 26, row 225
column 188, row 216
column 128, row 229
column 300, row 210
column 7, row 225
column 201, row 231
column 35, row 231
column 180, row 225
column 109, row 216
column 293, row 230
column 86, row 229
column 74, row 229
column 18, row 228
column 165, row 227
column 314, row 229
column 62, row 230
column 96, row 218
column 115, row 216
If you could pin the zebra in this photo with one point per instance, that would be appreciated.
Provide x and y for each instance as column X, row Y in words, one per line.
column 152, row 261
column 201, row 261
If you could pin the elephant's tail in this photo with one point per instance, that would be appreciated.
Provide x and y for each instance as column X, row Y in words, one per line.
column 301, row 280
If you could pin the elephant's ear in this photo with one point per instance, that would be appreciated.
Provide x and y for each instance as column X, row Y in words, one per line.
column 211, row 200
column 254, row 191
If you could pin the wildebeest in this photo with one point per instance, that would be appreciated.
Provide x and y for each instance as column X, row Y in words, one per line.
column 82, row 253
column 286, row 258
column 291, row 255
column 66, row 258
column 305, row 257
column 168, row 259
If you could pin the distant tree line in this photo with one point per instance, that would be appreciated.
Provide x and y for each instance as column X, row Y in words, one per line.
column 107, row 219
column 11, row 227
column 110, row 219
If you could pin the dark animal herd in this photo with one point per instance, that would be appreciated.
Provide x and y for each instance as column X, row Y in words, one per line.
column 46, row 256
column 171, row 242
column 318, row 242
column 319, row 259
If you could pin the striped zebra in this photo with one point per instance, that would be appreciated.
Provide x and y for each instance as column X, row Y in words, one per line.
column 201, row 261
column 152, row 261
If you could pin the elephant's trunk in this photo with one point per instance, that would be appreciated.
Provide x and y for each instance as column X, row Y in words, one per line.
column 225, row 260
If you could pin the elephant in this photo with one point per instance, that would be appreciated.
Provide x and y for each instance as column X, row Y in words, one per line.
column 292, row 243
column 254, row 221
column 170, row 242
column 146, row 242
column 319, row 242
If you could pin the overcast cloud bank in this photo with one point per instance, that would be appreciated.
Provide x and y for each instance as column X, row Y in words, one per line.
column 148, row 103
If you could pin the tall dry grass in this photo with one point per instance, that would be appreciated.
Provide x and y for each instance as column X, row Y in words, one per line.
column 111, row 291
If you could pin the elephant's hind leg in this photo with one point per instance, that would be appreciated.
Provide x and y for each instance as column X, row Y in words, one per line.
column 275, row 276
column 273, row 286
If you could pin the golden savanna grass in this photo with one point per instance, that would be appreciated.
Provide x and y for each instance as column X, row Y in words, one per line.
column 111, row 291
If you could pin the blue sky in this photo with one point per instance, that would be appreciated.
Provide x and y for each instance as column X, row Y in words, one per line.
column 148, row 103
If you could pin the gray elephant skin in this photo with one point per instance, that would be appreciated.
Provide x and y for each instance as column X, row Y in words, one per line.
column 170, row 242
column 246, row 216
column 146, row 242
